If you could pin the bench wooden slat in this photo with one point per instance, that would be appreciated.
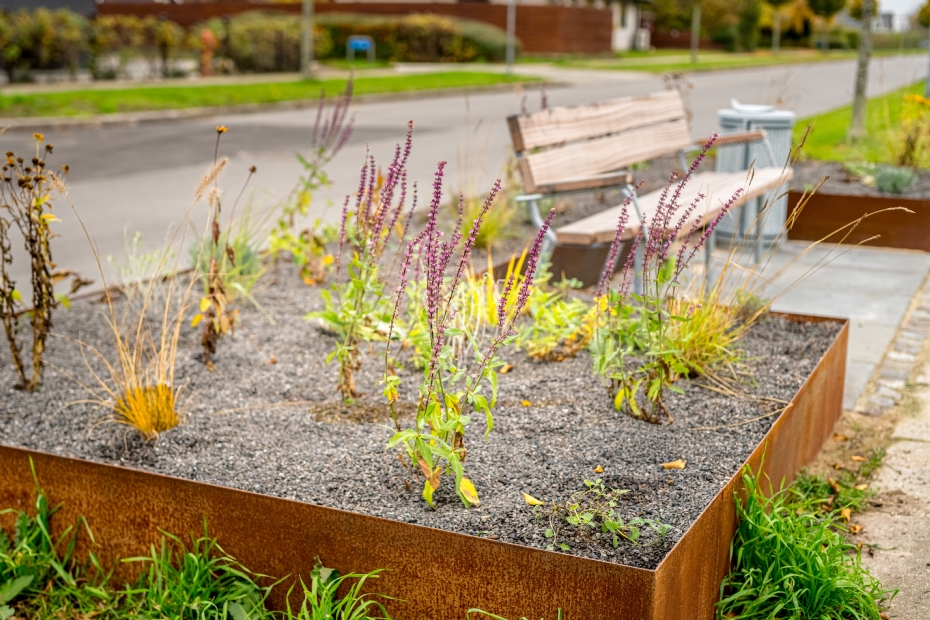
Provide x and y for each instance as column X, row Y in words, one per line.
column 718, row 187
column 571, row 123
column 605, row 154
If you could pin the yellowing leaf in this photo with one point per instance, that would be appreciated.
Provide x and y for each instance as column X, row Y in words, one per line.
column 839, row 437
column 854, row 529
column 598, row 469
column 17, row 296
column 861, row 487
column 859, row 459
column 428, row 493
column 679, row 464
column 49, row 217
column 525, row 403
column 204, row 304
column 328, row 260
column 197, row 319
column 532, row 501
column 846, row 513
column 469, row 491
column 505, row 369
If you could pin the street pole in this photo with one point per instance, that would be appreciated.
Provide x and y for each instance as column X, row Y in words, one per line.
column 306, row 41
column 695, row 29
column 511, row 36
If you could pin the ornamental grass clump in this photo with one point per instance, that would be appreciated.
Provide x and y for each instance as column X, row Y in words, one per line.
column 357, row 309
column 26, row 206
column 634, row 351
column 461, row 362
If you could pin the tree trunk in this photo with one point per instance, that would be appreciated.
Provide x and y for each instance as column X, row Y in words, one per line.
column 695, row 30
column 857, row 128
column 776, row 31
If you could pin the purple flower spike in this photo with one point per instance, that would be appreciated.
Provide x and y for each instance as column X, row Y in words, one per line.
column 526, row 286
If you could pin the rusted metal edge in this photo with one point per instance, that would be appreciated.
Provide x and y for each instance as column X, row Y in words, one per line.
column 438, row 574
column 825, row 213
column 688, row 579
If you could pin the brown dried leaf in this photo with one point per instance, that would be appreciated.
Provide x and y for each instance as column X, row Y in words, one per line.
column 846, row 513
column 854, row 529
column 505, row 369
column 839, row 437
column 859, row 459
column 679, row 464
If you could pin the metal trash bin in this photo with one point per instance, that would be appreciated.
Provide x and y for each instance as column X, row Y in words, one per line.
column 779, row 125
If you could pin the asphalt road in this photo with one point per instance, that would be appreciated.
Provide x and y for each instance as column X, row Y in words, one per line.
column 143, row 177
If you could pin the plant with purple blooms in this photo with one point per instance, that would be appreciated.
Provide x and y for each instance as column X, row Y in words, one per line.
column 357, row 310
column 642, row 327
column 454, row 377
column 307, row 247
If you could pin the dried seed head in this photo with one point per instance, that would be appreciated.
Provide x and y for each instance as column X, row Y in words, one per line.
column 39, row 137
column 209, row 177
column 58, row 184
column 66, row 168
column 253, row 169
column 222, row 129
column 48, row 148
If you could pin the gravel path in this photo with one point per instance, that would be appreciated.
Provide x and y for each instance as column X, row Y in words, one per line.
column 241, row 432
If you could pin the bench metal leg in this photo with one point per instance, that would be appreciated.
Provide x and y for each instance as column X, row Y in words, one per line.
column 709, row 245
column 532, row 210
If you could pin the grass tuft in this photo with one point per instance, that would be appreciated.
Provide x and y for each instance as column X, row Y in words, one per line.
column 792, row 561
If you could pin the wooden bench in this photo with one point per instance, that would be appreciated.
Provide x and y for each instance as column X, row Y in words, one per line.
column 591, row 147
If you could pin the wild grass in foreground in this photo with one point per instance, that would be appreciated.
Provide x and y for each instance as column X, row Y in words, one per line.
column 791, row 559
column 89, row 102
column 41, row 578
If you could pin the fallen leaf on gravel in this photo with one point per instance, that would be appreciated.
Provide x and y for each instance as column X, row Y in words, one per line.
column 505, row 369
column 532, row 501
column 679, row 464
column 839, row 437
column 837, row 466
column 883, row 615
column 845, row 513
column 273, row 360
column 860, row 459
column 861, row 487
column 525, row 403
column 834, row 485
column 598, row 469
column 854, row 529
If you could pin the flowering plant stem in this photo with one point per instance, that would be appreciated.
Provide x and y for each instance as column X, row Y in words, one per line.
column 451, row 389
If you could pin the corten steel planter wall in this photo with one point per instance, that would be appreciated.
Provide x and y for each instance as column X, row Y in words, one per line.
column 439, row 574
column 825, row 213
column 541, row 29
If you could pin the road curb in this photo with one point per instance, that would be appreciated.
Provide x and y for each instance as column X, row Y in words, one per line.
column 36, row 123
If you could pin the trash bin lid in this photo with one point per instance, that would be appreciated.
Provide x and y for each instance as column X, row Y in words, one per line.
column 750, row 108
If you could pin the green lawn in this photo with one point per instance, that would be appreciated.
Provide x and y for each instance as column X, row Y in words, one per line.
column 164, row 97
column 680, row 60
column 827, row 139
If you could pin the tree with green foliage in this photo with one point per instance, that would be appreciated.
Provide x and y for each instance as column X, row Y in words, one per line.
column 747, row 26
column 825, row 10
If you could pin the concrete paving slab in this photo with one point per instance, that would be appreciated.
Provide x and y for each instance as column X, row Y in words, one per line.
column 869, row 341
column 858, row 375
column 861, row 305
column 916, row 429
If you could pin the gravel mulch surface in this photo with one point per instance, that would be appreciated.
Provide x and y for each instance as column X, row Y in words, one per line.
column 268, row 420
column 807, row 174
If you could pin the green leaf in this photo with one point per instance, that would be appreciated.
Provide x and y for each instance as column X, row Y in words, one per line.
column 564, row 547
column 64, row 299
column 11, row 589
column 237, row 611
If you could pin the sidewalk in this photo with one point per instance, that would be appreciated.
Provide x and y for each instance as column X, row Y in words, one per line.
column 896, row 529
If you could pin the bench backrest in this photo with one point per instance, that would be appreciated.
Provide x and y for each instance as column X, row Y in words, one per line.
column 566, row 143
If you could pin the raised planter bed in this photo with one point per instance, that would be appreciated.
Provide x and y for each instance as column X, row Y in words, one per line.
column 824, row 213
column 439, row 573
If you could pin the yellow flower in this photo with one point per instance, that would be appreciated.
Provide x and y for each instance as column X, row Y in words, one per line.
column 222, row 129
column 38, row 137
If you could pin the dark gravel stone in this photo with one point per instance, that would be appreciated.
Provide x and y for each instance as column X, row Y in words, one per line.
column 279, row 428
